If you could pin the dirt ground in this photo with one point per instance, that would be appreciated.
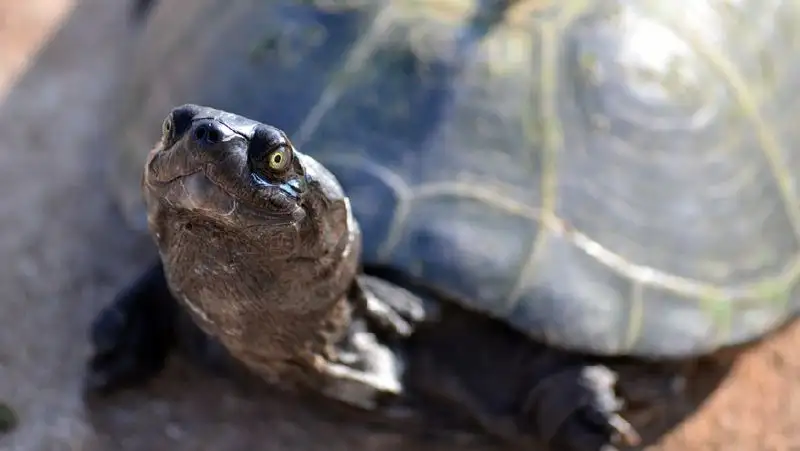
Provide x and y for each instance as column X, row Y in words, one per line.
column 65, row 251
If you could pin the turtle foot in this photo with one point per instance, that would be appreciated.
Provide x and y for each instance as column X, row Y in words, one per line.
column 390, row 308
column 514, row 388
column 367, row 373
column 132, row 337
column 577, row 410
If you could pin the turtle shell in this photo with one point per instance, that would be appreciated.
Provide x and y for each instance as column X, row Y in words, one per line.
column 614, row 177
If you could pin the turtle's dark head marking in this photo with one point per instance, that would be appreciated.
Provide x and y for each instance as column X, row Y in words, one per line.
column 219, row 167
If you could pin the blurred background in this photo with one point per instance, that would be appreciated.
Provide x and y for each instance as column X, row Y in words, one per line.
column 65, row 250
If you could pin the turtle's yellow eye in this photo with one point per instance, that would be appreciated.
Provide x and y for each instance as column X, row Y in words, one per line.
column 279, row 159
column 167, row 128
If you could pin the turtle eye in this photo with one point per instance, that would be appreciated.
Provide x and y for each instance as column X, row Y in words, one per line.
column 270, row 153
column 167, row 130
column 278, row 159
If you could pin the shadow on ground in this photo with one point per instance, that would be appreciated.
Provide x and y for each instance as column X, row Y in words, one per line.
column 66, row 251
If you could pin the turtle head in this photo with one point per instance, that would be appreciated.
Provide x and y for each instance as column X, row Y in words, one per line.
column 247, row 227
column 236, row 175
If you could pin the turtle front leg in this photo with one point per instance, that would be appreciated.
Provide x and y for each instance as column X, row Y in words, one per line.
column 365, row 373
column 368, row 371
column 132, row 336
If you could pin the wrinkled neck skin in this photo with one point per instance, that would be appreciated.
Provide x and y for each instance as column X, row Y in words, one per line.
column 265, row 291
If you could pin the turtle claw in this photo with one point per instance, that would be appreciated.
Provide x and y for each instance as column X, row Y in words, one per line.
column 577, row 410
column 391, row 308
column 387, row 318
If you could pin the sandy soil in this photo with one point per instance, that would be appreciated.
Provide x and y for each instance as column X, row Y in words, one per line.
column 65, row 251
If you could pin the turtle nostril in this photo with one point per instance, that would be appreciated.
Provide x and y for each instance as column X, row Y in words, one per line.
column 200, row 133
column 207, row 134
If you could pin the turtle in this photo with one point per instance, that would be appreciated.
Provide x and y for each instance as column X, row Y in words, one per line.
column 490, row 201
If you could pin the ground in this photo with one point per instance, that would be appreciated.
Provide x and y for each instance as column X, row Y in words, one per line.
column 65, row 251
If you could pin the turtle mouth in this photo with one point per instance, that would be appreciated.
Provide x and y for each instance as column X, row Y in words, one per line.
column 198, row 194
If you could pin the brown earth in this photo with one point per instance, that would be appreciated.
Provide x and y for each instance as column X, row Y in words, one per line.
column 65, row 251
